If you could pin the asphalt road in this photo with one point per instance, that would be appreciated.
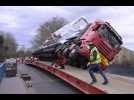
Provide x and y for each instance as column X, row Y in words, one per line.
column 45, row 83
column 121, row 70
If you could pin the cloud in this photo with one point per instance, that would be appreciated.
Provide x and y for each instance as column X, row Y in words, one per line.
column 8, row 21
column 23, row 21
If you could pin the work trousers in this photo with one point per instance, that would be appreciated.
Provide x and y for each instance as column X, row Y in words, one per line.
column 96, row 68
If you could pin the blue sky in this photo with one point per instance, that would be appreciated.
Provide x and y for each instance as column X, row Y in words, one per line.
column 23, row 21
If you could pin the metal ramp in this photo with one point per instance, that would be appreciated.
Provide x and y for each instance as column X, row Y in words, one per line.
column 81, row 80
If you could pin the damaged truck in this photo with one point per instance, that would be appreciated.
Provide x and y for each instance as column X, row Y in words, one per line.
column 73, row 38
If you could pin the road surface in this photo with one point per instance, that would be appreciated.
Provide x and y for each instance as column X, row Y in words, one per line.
column 45, row 83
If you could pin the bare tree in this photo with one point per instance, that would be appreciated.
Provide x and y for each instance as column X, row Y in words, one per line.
column 46, row 29
column 9, row 45
column 1, row 48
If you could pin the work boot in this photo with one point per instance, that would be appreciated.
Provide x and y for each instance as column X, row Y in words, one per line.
column 54, row 65
column 59, row 67
column 62, row 67
column 105, row 82
column 94, row 81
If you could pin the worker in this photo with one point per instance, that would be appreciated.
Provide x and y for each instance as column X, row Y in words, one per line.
column 94, row 64
column 104, row 62
column 60, row 60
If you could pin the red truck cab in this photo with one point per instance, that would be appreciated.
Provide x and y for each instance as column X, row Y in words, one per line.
column 104, row 37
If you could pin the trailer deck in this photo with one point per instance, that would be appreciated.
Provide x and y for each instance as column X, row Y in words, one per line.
column 81, row 80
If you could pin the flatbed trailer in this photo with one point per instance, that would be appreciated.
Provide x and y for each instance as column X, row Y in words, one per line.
column 80, row 79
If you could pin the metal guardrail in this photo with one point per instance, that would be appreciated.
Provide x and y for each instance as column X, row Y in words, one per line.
column 2, row 71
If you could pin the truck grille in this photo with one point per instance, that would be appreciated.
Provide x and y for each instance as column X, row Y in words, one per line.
column 102, row 47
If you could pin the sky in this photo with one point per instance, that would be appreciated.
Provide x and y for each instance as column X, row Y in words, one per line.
column 23, row 21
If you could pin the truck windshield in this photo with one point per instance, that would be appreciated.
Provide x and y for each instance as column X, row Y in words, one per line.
column 112, row 38
column 72, row 29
